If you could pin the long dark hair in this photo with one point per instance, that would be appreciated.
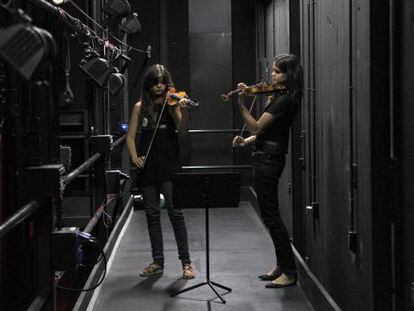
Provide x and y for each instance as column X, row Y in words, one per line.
column 289, row 64
column 151, row 77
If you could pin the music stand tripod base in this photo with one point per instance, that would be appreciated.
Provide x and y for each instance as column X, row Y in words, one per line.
column 213, row 190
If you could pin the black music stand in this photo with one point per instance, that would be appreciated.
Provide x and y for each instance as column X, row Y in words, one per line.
column 205, row 190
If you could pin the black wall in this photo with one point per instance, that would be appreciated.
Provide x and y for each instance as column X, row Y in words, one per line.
column 403, row 112
column 345, row 125
column 211, row 75
column 165, row 28
column 243, row 63
column 275, row 37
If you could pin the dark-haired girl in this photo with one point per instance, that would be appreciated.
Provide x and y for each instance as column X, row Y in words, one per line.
column 270, row 136
column 157, row 170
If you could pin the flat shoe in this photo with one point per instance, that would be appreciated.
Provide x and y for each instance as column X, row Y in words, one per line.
column 275, row 285
column 271, row 277
column 282, row 281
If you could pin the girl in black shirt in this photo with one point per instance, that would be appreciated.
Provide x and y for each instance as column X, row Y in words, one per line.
column 156, row 175
column 270, row 136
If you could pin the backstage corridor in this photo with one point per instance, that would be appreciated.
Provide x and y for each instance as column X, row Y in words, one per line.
column 105, row 104
column 240, row 249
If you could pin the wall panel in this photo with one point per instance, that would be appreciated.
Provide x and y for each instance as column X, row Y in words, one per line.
column 210, row 76
column 343, row 45
column 403, row 114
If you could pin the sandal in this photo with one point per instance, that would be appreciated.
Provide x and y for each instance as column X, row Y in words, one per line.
column 152, row 269
column 188, row 272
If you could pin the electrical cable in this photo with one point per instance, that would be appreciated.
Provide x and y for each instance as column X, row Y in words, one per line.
column 6, row 5
column 105, row 31
column 96, row 261
column 92, row 241
column 103, row 205
column 87, row 16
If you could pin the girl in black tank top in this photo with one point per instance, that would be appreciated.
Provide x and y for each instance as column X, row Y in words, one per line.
column 157, row 169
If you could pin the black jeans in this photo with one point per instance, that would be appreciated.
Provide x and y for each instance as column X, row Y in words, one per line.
column 267, row 170
column 152, row 207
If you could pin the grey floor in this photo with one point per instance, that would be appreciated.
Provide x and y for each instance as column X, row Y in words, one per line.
column 240, row 249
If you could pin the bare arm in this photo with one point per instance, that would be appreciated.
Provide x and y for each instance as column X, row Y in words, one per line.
column 239, row 141
column 132, row 130
column 255, row 127
column 180, row 116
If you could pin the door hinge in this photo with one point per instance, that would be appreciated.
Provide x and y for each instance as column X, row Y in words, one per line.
column 352, row 241
column 354, row 174
column 290, row 187
column 314, row 209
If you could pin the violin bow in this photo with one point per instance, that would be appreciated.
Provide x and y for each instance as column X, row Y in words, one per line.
column 155, row 130
column 250, row 110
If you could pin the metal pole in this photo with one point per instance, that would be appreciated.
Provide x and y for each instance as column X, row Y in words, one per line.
column 207, row 246
column 85, row 165
column 18, row 217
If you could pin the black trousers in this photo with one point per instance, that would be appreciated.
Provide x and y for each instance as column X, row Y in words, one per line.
column 152, row 207
column 267, row 170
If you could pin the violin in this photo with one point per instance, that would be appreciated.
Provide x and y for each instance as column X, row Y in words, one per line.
column 260, row 88
column 173, row 97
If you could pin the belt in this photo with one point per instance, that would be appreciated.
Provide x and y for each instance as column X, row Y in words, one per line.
column 270, row 147
column 161, row 127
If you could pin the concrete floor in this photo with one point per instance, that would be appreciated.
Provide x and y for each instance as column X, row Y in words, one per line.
column 240, row 249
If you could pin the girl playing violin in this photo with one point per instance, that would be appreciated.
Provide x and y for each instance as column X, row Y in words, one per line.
column 270, row 135
column 156, row 171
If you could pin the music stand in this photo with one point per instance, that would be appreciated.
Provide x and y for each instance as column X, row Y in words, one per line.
column 205, row 190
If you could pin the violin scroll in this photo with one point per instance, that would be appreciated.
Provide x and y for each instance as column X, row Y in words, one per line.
column 226, row 97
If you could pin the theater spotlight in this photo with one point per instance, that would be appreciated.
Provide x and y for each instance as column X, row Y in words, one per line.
column 117, row 8
column 132, row 25
column 24, row 47
column 96, row 68
column 116, row 82
column 59, row 2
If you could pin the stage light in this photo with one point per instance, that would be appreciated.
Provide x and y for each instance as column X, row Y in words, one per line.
column 59, row 2
column 123, row 127
column 96, row 68
column 117, row 8
column 131, row 25
column 116, row 82
column 24, row 47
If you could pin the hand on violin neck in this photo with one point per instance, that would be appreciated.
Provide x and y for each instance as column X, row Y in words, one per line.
column 241, row 86
column 242, row 94
column 179, row 107
column 184, row 103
